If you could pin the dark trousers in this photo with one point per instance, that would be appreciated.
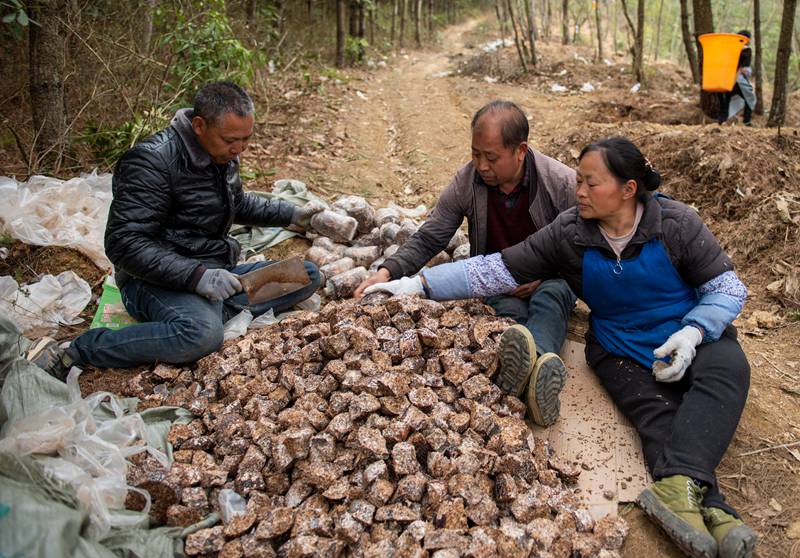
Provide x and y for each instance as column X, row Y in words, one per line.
column 174, row 326
column 724, row 104
column 545, row 313
column 685, row 426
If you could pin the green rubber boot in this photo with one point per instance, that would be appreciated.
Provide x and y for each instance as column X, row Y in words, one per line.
column 673, row 503
column 734, row 538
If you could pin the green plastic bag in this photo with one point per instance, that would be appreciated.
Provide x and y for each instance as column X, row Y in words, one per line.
column 111, row 312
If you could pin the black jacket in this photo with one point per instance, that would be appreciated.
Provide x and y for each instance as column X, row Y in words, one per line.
column 173, row 208
column 557, row 250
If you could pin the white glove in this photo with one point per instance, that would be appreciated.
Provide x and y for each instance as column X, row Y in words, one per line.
column 680, row 347
column 402, row 286
column 218, row 284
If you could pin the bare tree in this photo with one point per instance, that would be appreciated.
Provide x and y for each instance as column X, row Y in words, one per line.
column 596, row 4
column 637, row 31
column 533, row 32
column 777, row 110
column 758, row 57
column 394, row 20
column 147, row 26
column 704, row 23
column 417, row 17
column 501, row 19
column 46, row 81
column 688, row 43
column 402, row 22
column 564, row 22
column 251, row 8
column 340, row 32
column 658, row 29
column 518, row 41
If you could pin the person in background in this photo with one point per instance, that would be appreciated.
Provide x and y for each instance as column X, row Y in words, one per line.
column 743, row 95
column 662, row 295
column 176, row 195
column 507, row 192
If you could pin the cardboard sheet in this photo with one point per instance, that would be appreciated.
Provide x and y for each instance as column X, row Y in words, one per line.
column 593, row 434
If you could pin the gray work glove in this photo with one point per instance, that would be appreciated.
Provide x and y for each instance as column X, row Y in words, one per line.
column 218, row 284
column 302, row 214
column 680, row 348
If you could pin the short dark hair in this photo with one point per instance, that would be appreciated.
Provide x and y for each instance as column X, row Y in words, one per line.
column 744, row 32
column 624, row 160
column 513, row 124
column 221, row 97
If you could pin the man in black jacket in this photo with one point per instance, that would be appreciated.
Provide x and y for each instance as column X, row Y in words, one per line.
column 176, row 195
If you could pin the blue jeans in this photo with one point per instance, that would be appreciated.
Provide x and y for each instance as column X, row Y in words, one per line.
column 545, row 313
column 174, row 326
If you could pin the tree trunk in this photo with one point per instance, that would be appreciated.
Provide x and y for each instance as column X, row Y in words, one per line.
column 499, row 11
column 402, row 22
column 340, row 32
column 658, row 29
column 757, row 73
column 533, row 33
column 638, row 37
column 353, row 25
column 564, row 22
column 638, row 63
column 394, row 22
column 599, row 33
column 616, row 21
column 704, row 23
column 517, row 38
column 147, row 26
column 777, row 110
column 250, row 14
column 46, row 83
column 371, row 17
column 430, row 18
column 361, row 19
column 417, row 17
column 688, row 44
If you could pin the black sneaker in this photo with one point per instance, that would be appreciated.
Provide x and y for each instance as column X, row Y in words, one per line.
column 544, row 387
column 47, row 355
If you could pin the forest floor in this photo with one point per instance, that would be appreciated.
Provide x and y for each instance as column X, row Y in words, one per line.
column 398, row 132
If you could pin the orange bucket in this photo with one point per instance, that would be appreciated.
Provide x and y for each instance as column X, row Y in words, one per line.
column 720, row 58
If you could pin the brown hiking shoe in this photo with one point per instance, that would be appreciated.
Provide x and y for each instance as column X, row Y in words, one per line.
column 673, row 503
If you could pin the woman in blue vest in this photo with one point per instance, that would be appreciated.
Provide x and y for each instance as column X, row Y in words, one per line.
column 663, row 295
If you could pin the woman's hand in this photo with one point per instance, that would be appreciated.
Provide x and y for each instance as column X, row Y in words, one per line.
column 402, row 286
column 526, row 290
column 680, row 347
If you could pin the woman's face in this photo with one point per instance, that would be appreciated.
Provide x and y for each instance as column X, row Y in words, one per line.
column 600, row 195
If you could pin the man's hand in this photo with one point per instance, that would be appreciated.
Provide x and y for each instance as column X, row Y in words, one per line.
column 218, row 284
column 302, row 214
column 402, row 286
column 680, row 347
column 526, row 290
column 380, row 276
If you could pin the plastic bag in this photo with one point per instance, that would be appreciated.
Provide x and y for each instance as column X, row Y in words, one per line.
column 46, row 303
column 231, row 504
column 46, row 211
column 85, row 444
column 237, row 326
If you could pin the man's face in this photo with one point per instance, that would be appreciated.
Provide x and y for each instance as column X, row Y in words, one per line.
column 498, row 165
column 226, row 141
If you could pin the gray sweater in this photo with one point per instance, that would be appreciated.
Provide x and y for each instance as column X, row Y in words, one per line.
column 466, row 196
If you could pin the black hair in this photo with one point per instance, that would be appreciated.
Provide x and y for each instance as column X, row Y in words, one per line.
column 221, row 97
column 513, row 123
column 745, row 33
column 624, row 160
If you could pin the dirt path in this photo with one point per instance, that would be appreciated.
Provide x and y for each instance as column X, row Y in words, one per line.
column 407, row 131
